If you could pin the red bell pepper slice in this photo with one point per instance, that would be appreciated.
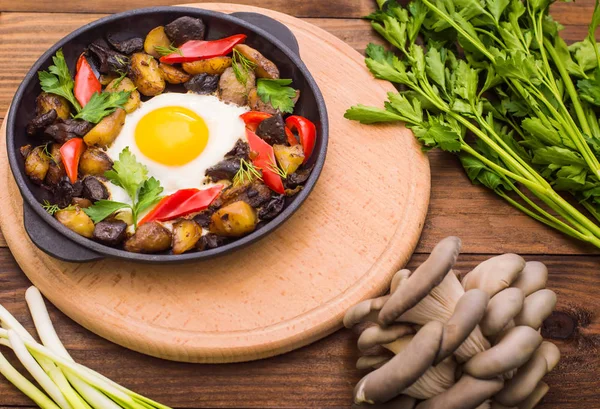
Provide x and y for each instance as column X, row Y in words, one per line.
column 307, row 131
column 265, row 160
column 86, row 83
column 253, row 118
column 70, row 153
column 182, row 203
column 194, row 50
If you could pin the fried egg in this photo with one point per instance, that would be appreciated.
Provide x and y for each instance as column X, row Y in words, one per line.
column 178, row 137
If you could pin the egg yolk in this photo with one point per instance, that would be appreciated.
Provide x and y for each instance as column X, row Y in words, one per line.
column 171, row 135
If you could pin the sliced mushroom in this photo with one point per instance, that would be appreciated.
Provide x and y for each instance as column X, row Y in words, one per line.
column 536, row 308
column 400, row 402
column 529, row 375
column 533, row 278
column 467, row 393
column 513, row 350
column 422, row 280
column 502, row 308
column 494, row 274
column 367, row 310
column 377, row 335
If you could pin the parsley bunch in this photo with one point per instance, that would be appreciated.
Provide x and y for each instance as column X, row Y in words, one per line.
column 495, row 84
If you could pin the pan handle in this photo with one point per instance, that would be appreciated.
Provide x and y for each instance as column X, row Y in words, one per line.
column 273, row 27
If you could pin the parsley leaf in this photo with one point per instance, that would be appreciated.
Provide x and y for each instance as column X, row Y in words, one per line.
column 128, row 173
column 102, row 104
column 148, row 195
column 104, row 208
column 276, row 93
column 58, row 81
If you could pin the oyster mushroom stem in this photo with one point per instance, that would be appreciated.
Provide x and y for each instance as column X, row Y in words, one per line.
column 467, row 393
column 398, row 278
column 538, row 394
column 377, row 335
column 529, row 375
column 422, row 280
column 367, row 310
column 494, row 274
column 502, row 308
column 533, row 278
column 513, row 350
column 496, row 405
column 403, row 369
column 536, row 308
column 400, row 402
column 371, row 361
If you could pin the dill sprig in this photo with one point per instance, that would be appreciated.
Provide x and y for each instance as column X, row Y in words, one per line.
column 247, row 173
column 241, row 65
column 273, row 166
column 167, row 50
column 50, row 208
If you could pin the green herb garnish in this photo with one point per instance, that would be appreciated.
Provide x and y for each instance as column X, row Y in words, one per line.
column 167, row 50
column 102, row 104
column 241, row 66
column 247, row 173
column 50, row 208
column 58, row 81
column 277, row 93
column 274, row 167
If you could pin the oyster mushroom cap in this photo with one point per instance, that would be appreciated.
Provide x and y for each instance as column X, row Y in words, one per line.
column 377, row 335
column 467, row 393
column 523, row 384
column 496, row 405
column 403, row 369
column 371, row 361
column 502, row 308
column 513, row 350
column 494, row 274
column 398, row 278
column 399, row 402
column 367, row 310
column 469, row 310
column 536, row 396
column 536, row 308
column 533, row 278
column 428, row 275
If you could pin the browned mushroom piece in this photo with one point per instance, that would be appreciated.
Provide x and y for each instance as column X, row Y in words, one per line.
column 371, row 361
column 468, row 312
column 400, row 402
column 533, row 278
column 427, row 276
column 403, row 369
column 513, row 350
column 536, row 308
column 377, row 335
column 494, row 274
column 523, row 384
column 364, row 311
column 467, row 393
column 536, row 396
column 502, row 308
column 398, row 278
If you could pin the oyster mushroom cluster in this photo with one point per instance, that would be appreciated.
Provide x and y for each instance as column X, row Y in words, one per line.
column 445, row 343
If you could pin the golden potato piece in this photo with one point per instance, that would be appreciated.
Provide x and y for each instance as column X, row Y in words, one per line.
column 234, row 220
column 94, row 162
column 56, row 170
column 125, row 84
column 106, row 79
column 46, row 102
column 145, row 74
column 257, row 104
column 76, row 220
column 37, row 164
column 231, row 90
column 150, row 237
column 212, row 66
column 156, row 37
column 186, row 234
column 173, row 75
column 105, row 131
column 289, row 157
column 264, row 68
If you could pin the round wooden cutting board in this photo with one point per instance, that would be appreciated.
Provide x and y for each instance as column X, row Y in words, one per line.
column 357, row 228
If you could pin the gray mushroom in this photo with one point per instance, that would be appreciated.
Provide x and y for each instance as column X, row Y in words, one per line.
column 398, row 278
column 502, row 308
column 467, row 393
column 371, row 361
column 494, row 274
column 533, row 278
column 537, row 395
column 536, row 308
column 367, row 310
column 523, row 384
column 400, row 402
column 377, row 335
column 422, row 280
column 496, row 405
column 403, row 369
column 513, row 350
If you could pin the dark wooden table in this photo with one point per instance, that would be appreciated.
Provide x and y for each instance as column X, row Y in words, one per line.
column 322, row 374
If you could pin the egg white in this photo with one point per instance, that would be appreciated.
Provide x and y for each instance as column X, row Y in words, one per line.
column 224, row 129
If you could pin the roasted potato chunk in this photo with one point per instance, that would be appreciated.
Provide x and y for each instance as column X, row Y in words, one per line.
column 156, row 38
column 76, row 220
column 150, row 237
column 264, row 68
column 289, row 157
column 231, row 90
column 125, row 84
column 81, row 202
column 212, row 66
column 184, row 29
column 145, row 75
column 234, row 220
column 105, row 131
column 173, row 75
column 46, row 102
column 186, row 234
column 56, row 170
column 37, row 164
column 94, row 162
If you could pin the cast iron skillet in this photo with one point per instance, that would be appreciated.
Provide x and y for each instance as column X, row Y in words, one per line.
column 270, row 37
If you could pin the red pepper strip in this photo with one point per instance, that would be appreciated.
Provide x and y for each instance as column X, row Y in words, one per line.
column 86, row 82
column 182, row 203
column 253, row 118
column 290, row 137
column 200, row 50
column 70, row 153
column 306, row 131
column 265, row 160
